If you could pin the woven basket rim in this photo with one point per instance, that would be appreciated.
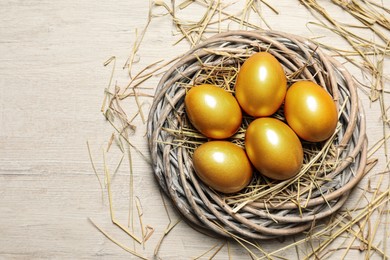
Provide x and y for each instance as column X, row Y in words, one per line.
column 207, row 209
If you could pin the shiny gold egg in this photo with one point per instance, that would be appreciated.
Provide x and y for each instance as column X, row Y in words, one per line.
column 213, row 111
column 273, row 148
column 261, row 85
column 310, row 111
column 223, row 166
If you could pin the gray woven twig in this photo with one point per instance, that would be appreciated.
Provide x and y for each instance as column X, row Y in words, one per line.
column 259, row 219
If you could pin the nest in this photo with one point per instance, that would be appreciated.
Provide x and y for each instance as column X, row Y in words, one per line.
column 265, row 209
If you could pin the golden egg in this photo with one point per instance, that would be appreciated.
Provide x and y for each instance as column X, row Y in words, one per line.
column 273, row 148
column 261, row 85
column 213, row 111
column 310, row 111
column 223, row 166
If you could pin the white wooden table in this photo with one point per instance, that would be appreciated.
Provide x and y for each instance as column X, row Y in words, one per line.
column 52, row 82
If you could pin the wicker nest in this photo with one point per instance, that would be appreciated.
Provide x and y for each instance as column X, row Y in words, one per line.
column 266, row 209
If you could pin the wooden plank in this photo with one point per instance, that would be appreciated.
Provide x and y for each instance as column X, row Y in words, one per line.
column 51, row 90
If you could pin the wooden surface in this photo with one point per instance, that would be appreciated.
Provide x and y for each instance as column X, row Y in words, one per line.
column 51, row 91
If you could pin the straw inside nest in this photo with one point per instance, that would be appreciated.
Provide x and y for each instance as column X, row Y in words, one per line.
column 320, row 159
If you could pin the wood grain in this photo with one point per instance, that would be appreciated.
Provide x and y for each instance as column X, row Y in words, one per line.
column 51, row 90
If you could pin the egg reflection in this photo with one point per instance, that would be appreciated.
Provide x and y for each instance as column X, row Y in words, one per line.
column 219, row 157
column 263, row 73
column 272, row 137
column 210, row 101
column 312, row 104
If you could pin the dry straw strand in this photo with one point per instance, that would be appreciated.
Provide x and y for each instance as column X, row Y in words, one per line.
column 116, row 241
column 112, row 214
